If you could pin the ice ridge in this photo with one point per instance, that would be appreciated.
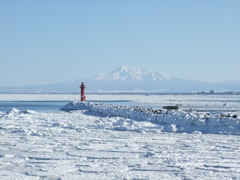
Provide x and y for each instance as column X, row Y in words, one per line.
column 168, row 120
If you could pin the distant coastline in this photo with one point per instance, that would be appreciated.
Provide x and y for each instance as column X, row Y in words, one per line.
column 134, row 93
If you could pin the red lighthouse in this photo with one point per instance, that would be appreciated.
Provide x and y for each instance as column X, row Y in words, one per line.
column 83, row 98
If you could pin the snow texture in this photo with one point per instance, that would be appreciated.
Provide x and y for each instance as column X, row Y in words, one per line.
column 103, row 141
column 170, row 120
column 80, row 145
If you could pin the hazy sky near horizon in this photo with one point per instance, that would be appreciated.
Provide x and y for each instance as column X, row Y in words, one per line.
column 52, row 41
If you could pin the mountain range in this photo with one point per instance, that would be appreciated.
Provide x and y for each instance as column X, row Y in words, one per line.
column 128, row 79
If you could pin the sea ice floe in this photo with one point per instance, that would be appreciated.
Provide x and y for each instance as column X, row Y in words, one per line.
column 98, row 143
column 16, row 111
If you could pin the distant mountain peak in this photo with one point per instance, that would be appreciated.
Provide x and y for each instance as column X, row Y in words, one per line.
column 125, row 73
column 125, row 68
column 127, row 79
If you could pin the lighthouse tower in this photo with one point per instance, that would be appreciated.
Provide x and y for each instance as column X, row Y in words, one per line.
column 82, row 87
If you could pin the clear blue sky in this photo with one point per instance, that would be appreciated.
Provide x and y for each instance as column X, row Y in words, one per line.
column 59, row 40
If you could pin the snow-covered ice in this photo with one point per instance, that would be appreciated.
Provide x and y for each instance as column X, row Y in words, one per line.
column 79, row 145
column 169, row 120
column 94, row 142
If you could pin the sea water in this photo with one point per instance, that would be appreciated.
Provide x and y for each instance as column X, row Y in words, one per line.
column 39, row 106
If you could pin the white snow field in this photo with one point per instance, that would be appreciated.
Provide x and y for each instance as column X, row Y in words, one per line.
column 99, row 141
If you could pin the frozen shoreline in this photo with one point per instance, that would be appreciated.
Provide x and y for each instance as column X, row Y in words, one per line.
column 170, row 121
column 198, row 102
column 103, row 141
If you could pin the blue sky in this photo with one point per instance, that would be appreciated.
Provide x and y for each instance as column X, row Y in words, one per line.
column 51, row 41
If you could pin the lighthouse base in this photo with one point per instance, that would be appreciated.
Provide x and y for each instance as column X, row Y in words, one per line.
column 83, row 98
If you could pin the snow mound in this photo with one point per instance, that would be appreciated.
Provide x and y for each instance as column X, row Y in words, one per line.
column 169, row 120
column 15, row 111
column 75, row 105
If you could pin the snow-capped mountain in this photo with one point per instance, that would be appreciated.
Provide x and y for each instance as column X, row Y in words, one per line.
column 128, row 79
column 125, row 73
column 132, row 79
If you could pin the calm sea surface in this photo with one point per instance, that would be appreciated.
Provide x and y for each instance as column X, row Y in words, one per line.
column 40, row 106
